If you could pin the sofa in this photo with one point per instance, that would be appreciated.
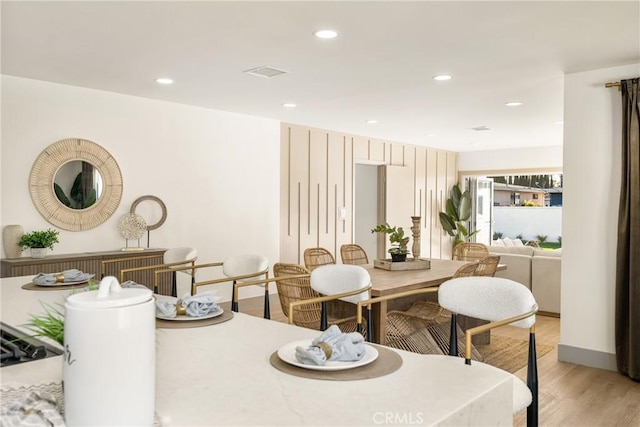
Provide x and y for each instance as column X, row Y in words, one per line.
column 537, row 269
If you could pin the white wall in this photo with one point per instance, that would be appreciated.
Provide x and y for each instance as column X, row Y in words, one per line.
column 217, row 172
column 521, row 159
column 592, row 146
column 530, row 221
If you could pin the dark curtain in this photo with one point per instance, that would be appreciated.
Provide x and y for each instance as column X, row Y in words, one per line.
column 628, row 254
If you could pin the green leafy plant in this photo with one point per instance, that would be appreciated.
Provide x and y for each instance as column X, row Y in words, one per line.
column 39, row 239
column 458, row 212
column 49, row 325
column 542, row 238
column 396, row 238
column 497, row 235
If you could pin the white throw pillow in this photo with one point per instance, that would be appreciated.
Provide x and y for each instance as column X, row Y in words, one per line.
column 508, row 242
column 517, row 242
column 497, row 242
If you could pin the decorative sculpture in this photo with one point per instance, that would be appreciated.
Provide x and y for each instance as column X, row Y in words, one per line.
column 415, row 230
column 132, row 226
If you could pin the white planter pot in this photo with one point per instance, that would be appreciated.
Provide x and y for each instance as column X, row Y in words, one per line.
column 38, row 252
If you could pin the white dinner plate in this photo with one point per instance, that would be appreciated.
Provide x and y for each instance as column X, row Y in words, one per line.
column 287, row 353
column 182, row 317
column 76, row 282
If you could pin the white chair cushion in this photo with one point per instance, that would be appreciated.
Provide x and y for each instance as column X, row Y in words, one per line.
column 522, row 397
column 245, row 264
column 488, row 298
column 339, row 278
column 179, row 254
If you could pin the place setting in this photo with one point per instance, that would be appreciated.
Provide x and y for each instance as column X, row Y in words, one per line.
column 57, row 281
column 336, row 356
column 190, row 311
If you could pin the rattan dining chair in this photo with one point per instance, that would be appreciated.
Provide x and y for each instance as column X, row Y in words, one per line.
column 487, row 266
column 418, row 334
column 316, row 257
column 431, row 310
column 467, row 251
column 353, row 254
column 301, row 303
column 501, row 302
column 174, row 260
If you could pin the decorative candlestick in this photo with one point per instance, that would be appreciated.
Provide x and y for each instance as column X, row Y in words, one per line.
column 415, row 229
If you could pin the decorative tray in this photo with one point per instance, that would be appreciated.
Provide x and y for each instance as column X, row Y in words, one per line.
column 409, row 264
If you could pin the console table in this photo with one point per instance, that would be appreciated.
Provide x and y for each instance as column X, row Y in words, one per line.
column 91, row 262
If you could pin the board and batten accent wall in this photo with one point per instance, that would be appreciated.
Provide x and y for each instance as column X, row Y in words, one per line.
column 317, row 184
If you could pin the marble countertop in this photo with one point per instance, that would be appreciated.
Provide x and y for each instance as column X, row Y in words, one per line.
column 221, row 375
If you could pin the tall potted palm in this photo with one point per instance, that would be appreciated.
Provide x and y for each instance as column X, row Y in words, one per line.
column 457, row 214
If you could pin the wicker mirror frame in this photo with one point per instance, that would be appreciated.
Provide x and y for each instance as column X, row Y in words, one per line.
column 44, row 170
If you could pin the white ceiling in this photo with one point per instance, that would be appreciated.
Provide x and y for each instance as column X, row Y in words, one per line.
column 380, row 66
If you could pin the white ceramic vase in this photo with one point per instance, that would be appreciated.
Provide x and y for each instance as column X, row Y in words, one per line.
column 11, row 235
column 38, row 252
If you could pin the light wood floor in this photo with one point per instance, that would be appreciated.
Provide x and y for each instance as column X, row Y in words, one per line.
column 570, row 395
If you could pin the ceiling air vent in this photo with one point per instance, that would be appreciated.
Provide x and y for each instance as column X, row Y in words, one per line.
column 481, row 128
column 266, row 71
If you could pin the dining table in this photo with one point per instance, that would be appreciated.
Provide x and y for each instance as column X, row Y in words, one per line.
column 232, row 373
column 390, row 282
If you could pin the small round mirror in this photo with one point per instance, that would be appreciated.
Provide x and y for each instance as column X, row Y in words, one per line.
column 78, row 184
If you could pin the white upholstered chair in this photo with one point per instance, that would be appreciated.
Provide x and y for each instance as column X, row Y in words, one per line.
column 174, row 260
column 349, row 283
column 246, row 268
column 241, row 270
column 501, row 302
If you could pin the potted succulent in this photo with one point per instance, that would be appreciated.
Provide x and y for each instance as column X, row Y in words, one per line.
column 398, row 241
column 39, row 241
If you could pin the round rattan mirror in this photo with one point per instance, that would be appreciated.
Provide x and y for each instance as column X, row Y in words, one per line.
column 45, row 193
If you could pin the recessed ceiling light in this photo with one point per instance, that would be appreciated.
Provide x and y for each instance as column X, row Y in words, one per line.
column 372, row 121
column 289, row 105
column 513, row 104
column 164, row 80
column 442, row 77
column 326, row 34
column 430, row 134
column 481, row 128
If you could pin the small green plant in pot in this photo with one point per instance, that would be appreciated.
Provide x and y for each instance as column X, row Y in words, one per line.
column 458, row 212
column 397, row 239
column 39, row 241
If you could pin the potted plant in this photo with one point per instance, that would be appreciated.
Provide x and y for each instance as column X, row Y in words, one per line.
column 398, row 241
column 458, row 212
column 39, row 241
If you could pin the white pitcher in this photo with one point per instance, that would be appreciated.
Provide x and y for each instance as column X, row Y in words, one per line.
column 109, row 356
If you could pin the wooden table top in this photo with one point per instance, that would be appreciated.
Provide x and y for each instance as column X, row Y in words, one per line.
column 386, row 282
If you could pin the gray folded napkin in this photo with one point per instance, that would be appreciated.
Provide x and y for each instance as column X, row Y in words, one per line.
column 332, row 345
column 166, row 309
column 69, row 276
column 200, row 304
column 132, row 284
column 196, row 305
